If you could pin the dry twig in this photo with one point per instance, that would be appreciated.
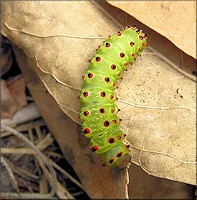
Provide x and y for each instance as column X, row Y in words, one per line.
column 53, row 180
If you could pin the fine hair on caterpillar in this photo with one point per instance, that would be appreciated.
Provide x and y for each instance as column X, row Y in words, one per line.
column 99, row 113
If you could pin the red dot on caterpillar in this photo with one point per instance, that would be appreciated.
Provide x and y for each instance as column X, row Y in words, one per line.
column 103, row 94
column 90, row 75
column 111, row 140
column 111, row 96
column 86, row 113
column 79, row 97
column 94, row 148
column 107, row 79
column 102, row 110
column 114, row 84
column 118, row 137
column 125, row 64
column 138, row 49
column 85, row 94
column 120, row 120
column 140, row 37
column 98, row 47
column 107, row 44
column 113, row 66
column 127, row 146
column 83, row 77
column 106, row 123
column 116, row 98
column 145, row 36
column 118, row 110
column 126, row 69
column 111, row 160
column 119, row 33
column 98, row 59
column 122, row 55
column 90, row 60
column 132, row 43
column 143, row 44
column 86, row 131
column 119, row 154
column 146, row 45
column 112, row 110
column 119, row 73
column 114, row 121
column 104, row 164
column 133, row 54
column 124, row 135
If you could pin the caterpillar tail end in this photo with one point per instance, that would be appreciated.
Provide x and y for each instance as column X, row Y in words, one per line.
column 123, row 162
column 120, row 159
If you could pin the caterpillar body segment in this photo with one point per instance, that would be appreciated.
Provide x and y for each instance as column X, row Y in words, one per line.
column 99, row 113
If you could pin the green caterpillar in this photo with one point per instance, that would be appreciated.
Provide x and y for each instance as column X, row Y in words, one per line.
column 98, row 108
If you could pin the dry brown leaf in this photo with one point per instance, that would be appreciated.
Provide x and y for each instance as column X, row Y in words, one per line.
column 8, row 104
column 88, row 166
column 143, row 186
column 13, row 96
column 158, row 102
column 5, row 56
column 17, row 88
column 176, row 20
column 159, row 112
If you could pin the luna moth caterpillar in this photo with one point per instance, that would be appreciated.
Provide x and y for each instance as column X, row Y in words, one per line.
column 99, row 113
